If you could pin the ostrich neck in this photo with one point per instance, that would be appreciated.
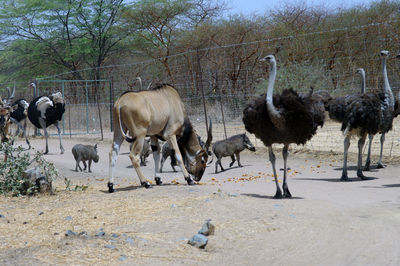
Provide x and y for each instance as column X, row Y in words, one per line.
column 362, row 82
column 275, row 115
column 386, row 86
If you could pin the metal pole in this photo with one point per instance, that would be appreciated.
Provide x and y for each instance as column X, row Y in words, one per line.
column 63, row 122
column 202, row 89
column 87, row 107
column 111, row 104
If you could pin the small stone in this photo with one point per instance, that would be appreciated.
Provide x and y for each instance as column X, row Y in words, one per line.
column 130, row 241
column 199, row 241
column 83, row 234
column 208, row 228
column 173, row 205
column 68, row 218
column 109, row 246
column 70, row 233
column 233, row 194
column 207, row 200
column 100, row 233
column 114, row 235
column 40, row 213
column 2, row 216
column 24, row 222
column 122, row 258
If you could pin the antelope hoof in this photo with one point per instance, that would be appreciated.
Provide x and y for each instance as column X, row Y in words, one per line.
column 110, row 187
column 190, row 181
column 286, row 193
column 146, row 184
column 158, row 180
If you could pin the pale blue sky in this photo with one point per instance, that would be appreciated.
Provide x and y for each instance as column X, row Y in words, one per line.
column 247, row 7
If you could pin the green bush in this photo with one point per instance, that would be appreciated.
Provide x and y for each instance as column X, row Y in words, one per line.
column 12, row 177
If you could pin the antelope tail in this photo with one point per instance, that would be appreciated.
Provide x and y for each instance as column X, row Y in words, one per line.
column 127, row 138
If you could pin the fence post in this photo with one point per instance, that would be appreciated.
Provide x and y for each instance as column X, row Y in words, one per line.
column 111, row 104
column 87, row 107
column 62, row 89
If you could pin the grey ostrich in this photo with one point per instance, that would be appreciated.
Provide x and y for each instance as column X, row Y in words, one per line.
column 286, row 118
column 336, row 107
column 386, row 124
column 368, row 114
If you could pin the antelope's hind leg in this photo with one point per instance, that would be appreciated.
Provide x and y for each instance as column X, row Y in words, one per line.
column 116, row 145
column 155, row 148
column 134, row 155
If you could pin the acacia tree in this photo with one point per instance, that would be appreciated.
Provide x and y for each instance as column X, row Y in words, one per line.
column 156, row 25
column 59, row 35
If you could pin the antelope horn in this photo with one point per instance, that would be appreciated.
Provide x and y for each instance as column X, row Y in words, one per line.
column 209, row 137
column 148, row 87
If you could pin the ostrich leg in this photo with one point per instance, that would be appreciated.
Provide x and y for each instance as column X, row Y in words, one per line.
column 346, row 150
column 285, row 153
column 46, row 135
column 361, row 143
column 368, row 161
column 380, row 164
column 59, row 137
column 272, row 159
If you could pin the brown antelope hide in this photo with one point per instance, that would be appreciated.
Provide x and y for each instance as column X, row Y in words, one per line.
column 160, row 114
column 5, row 122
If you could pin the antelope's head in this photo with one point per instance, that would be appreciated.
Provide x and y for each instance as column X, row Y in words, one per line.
column 194, row 155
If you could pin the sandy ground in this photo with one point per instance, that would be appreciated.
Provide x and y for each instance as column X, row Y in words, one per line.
column 326, row 222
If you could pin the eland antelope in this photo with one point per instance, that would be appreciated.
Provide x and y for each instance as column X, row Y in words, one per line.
column 160, row 114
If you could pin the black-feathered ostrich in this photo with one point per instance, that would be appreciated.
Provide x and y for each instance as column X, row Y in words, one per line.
column 48, row 110
column 336, row 107
column 19, row 115
column 370, row 114
column 286, row 118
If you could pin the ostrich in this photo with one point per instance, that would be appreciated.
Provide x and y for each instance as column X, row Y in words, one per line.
column 336, row 107
column 371, row 113
column 386, row 125
column 286, row 118
column 19, row 115
column 44, row 111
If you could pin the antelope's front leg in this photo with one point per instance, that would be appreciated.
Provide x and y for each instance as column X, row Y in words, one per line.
column 178, row 157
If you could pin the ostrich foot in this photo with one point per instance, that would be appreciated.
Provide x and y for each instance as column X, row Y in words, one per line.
column 344, row 178
column 367, row 166
column 158, row 180
column 380, row 165
column 286, row 193
column 146, row 184
column 278, row 194
column 110, row 187
column 361, row 175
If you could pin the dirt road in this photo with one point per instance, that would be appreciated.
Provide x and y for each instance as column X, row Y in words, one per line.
column 326, row 222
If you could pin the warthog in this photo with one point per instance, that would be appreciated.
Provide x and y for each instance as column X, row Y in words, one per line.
column 85, row 153
column 145, row 151
column 230, row 147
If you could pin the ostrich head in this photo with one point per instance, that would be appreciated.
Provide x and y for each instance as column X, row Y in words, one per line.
column 268, row 58
column 384, row 53
column 360, row 71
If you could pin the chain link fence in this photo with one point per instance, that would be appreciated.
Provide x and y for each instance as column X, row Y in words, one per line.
column 232, row 75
